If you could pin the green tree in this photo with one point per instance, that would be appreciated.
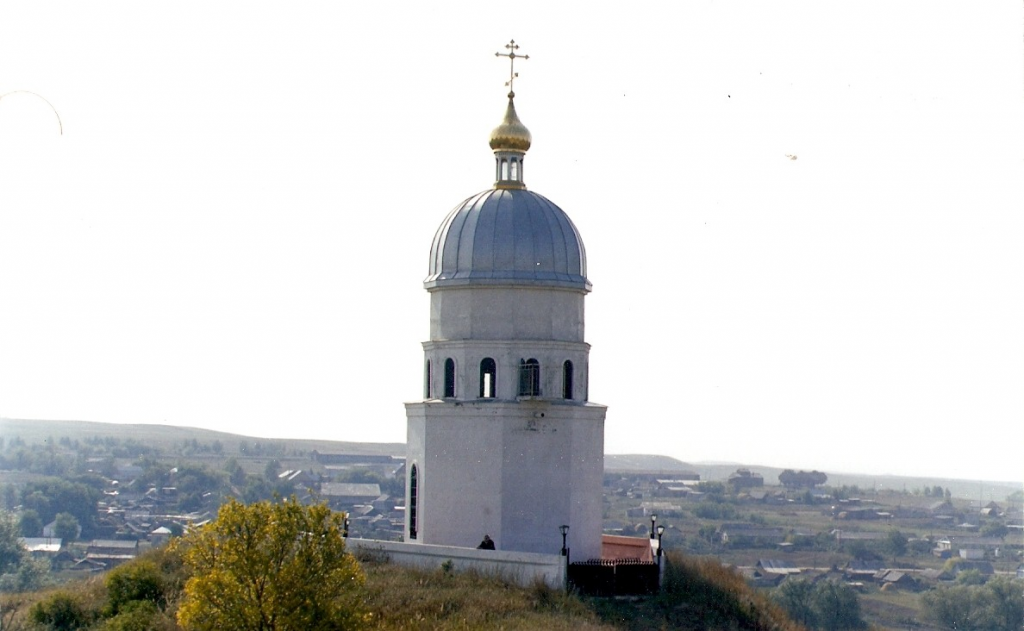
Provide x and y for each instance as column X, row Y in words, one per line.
column 11, row 551
column 30, row 575
column 859, row 549
column 1003, row 605
column 994, row 529
column 236, row 474
column 30, row 524
column 958, row 607
column 54, row 496
column 970, row 577
column 66, row 527
column 837, row 607
column 257, row 489
column 896, row 544
column 271, row 471
column 272, row 567
column 10, row 495
column 796, row 596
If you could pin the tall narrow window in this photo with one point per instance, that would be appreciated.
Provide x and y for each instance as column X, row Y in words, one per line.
column 427, row 392
column 504, row 169
column 488, row 371
column 449, row 378
column 515, row 170
column 413, row 497
column 567, row 380
column 529, row 378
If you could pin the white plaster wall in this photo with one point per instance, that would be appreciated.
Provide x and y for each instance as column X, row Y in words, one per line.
column 459, row 485
column 415, row 454
column 513, row 470
column 506, row 313
column 522, row 568
column 587, row 475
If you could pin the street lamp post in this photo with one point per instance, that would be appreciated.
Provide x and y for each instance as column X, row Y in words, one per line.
column 654, row 518
column 564, row 529
column 661, row 531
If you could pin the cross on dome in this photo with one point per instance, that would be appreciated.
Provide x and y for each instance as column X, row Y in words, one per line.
column 512, row 47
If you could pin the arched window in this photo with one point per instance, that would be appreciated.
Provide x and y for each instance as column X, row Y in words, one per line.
column 504, row 169
column 427, row 392
column 449, row 378
column 515, row 170
column 413, row 497
column 567, row 380
column 488, row 372
column 529, row 378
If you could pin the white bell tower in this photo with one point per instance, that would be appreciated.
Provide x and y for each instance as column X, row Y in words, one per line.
column 505, row 442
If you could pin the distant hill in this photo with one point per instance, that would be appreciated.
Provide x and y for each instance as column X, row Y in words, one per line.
column 644, row 463
column 967, row 489
column 162, row 436
column 166, row 436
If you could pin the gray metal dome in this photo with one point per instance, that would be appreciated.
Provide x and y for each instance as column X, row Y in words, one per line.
column 508, row 236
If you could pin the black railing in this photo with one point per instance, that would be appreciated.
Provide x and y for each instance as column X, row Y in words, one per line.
column 619, row 577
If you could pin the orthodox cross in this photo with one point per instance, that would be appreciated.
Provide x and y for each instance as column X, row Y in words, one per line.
column 512, row 47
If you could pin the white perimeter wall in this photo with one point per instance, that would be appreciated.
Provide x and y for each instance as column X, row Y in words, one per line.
column 521, row 568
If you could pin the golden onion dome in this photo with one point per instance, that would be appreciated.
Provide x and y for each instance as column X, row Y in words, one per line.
column 511, row 134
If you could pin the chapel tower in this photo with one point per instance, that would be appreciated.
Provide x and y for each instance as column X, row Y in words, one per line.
column 505, row 441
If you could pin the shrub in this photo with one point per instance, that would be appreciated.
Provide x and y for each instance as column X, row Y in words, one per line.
column 61, row 611
column 140, row 615
column 825, row 605
column 137, row 581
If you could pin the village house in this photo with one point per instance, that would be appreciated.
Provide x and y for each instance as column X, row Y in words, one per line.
column 853, row 535
column 111, row 552
column 967, row 547
column 862, row 569
column 760, row 579
column 160, row 536
column 775, row 566
column 41, row 547
column 677, row 487
column 745, row 479
column 345, row 495
column 891, row 579
column 739, row 535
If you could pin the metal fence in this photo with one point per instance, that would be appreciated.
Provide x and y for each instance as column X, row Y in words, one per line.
column 621, row 577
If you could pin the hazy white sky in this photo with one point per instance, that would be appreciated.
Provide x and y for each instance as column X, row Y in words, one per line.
column 233, row 229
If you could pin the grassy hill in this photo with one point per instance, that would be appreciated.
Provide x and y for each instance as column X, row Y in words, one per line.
column 699, row 594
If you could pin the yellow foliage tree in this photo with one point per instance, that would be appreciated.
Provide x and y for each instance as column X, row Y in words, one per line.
column 271, row 567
